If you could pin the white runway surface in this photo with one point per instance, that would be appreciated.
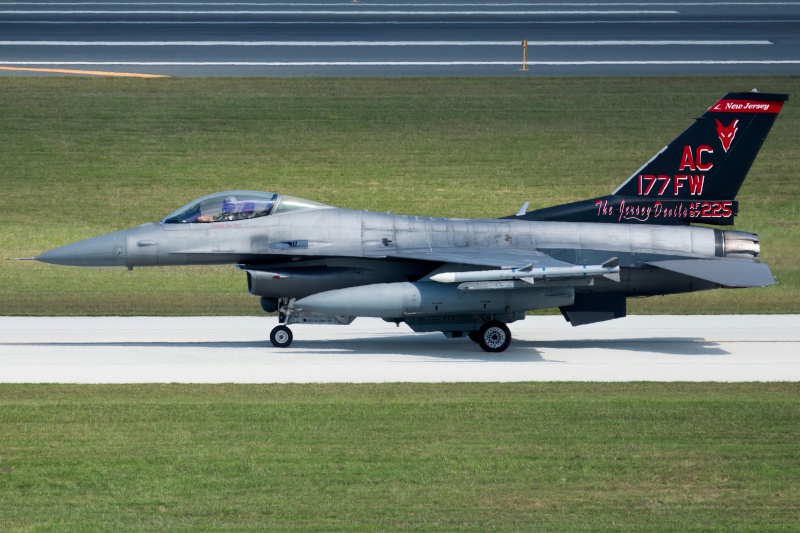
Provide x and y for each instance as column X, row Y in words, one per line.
column 237, row 350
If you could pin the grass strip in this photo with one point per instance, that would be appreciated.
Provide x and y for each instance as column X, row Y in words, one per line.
column 472, row 457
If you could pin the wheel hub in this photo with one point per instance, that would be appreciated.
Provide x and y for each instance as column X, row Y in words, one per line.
column 494, row 337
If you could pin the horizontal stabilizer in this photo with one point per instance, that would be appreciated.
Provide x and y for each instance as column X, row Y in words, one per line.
column 728, row 273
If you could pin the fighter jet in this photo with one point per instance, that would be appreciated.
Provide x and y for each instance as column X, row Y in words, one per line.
column 317, row 264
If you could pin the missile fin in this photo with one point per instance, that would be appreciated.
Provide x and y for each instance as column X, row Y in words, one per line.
column 612, row 263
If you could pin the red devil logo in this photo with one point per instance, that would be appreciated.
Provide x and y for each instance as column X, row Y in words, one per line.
column 726, row 133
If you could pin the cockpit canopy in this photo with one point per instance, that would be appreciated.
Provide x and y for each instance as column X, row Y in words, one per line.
column 237, row 205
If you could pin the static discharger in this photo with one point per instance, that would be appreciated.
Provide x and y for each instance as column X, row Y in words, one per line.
column 609, row 270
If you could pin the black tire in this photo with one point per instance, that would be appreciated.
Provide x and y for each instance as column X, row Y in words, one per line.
column 494, row 336
column 281, row 336
column 474, row 336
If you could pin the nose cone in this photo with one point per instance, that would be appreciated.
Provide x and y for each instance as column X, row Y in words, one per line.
column 104, row 251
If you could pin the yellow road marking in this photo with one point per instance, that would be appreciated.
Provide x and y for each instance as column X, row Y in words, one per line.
column 85, row 72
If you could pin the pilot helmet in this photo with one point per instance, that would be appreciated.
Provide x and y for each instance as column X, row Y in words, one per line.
column 229, row 204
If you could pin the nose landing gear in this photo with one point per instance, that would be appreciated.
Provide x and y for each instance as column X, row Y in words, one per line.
column 281, row 336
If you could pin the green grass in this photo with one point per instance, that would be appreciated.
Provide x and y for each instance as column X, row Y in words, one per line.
column 479, row 457
column 81, row 157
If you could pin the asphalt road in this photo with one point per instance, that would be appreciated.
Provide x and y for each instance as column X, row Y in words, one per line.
column 237, row 350
column 401, row 38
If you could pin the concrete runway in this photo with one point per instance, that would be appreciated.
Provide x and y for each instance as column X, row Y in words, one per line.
column 237, row 350
column 400, row 38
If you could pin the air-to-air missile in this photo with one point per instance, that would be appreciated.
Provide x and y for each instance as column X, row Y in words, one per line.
column 609, row 270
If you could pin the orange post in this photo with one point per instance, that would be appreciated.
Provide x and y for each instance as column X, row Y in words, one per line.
column 524, row 55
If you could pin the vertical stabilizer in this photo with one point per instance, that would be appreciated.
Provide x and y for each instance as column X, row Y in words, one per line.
column 711, row 158
column 695, row 178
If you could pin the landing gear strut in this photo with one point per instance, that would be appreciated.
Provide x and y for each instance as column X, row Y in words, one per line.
column 494, row 336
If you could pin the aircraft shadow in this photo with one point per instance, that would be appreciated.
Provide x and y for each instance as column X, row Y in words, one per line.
column 654, row 345
column 432, row 345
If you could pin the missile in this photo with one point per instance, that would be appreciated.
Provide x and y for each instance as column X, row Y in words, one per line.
column 609, row 269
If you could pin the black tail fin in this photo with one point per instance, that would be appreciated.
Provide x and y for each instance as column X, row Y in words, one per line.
column 695, row 178
column 711, row 158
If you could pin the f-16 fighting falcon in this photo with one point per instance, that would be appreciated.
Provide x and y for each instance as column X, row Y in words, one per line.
column 318, row 264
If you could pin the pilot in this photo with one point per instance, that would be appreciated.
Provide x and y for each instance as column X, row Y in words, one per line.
column 227, row 213
column 228, row 209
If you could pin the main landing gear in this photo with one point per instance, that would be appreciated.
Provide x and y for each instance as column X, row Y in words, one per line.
column 494, row 336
